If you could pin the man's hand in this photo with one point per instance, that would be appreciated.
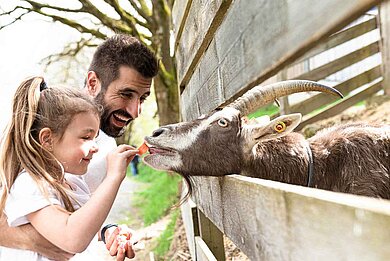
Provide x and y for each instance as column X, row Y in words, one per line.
column 118, row 242
column 26, row 237
column 43, row 246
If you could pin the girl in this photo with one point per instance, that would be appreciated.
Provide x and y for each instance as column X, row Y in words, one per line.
column 51, row 135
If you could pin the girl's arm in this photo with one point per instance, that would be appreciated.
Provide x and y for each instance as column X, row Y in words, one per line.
column 74, row 231
column 26, row 237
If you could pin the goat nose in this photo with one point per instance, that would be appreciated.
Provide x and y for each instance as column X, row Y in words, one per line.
column 158, row 132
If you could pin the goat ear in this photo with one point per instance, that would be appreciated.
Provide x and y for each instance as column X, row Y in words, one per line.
column 276, row 128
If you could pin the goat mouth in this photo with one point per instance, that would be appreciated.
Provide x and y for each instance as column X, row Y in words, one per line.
column 159, row 150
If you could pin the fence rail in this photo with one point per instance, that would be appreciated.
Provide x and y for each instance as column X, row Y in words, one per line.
column 269, row 220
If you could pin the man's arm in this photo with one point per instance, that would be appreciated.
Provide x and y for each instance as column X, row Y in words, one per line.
column 26, row 237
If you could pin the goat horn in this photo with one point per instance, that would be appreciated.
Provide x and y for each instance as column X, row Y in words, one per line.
column 262, row 95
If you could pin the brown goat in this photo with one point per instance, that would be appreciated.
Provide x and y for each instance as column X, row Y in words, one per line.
column 352, row 158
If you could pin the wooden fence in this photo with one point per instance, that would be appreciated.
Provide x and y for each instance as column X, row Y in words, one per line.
column 357, row 85
column 223, row 48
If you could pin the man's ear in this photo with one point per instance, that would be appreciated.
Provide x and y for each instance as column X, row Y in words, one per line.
column 276, row 128
column 93, row 84
column 46, row 138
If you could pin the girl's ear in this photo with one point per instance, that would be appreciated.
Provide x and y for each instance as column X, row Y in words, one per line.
column 93, row 84
column 46, row 138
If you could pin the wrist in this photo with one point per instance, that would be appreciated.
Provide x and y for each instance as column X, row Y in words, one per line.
column 116, row 179
column 104, row 230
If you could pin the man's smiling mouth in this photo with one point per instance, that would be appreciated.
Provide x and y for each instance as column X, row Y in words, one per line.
column 120, row 120
column 120, row 117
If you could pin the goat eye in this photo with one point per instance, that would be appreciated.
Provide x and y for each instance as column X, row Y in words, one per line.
column 280, row 126
column 222, row 122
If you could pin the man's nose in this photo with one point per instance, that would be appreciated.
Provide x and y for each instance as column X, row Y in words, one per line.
column 134, row 108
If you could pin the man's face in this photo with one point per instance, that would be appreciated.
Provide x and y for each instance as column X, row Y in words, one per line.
column 122, row 100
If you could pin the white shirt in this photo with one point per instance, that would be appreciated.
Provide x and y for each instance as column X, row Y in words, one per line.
column 25, row 198
column 97, row 168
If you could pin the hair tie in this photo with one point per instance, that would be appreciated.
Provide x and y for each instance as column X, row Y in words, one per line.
column 43, row 86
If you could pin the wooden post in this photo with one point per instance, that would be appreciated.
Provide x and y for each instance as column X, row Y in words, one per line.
column 189, row 213
column 284, row 103
column 212, row 236
column 384, row 23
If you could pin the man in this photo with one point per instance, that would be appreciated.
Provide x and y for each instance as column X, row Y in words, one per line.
column 119, row 77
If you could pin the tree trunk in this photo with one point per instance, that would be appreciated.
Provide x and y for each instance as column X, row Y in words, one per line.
column 165, row 84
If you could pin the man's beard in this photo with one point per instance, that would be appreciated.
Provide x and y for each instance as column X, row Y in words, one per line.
column 105, row 125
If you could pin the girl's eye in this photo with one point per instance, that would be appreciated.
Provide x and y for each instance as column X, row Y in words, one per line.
column 222, row 122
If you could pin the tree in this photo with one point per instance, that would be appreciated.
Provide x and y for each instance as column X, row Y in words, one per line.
column 148, row 20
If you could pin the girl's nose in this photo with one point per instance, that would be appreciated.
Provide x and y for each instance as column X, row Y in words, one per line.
column 94, row 148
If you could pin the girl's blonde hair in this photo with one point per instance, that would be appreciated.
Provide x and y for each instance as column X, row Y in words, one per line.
column 35, row 109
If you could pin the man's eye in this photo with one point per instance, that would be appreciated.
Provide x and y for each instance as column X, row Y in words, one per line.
column 143, row 98
column 86, row 138
column 126, row 95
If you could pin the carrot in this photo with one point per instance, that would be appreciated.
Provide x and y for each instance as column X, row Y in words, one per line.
column 143, row 149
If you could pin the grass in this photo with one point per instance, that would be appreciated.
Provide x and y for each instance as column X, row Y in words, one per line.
column 159, row 196
column 165, row 239
column 268, row 110
column 155, row 202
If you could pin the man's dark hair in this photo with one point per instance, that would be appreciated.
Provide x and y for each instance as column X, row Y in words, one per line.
column 119, row 50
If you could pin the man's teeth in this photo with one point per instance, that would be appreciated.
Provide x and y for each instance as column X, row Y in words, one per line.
column 122, row 118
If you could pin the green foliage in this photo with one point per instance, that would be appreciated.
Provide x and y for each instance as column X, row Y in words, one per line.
column 268, row 110
column 159, row 196
column 165, row 239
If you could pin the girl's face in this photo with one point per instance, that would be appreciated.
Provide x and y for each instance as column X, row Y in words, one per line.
column 75, row 148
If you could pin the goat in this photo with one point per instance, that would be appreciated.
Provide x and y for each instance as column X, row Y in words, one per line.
column 351, row 158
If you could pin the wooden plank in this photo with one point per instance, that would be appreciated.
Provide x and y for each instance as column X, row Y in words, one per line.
column 204, row 17
column 252, row 47
column 180, row 11
column 212, row 236
column 341, row 106
column 345, row 87
column 384, row 18
column 341, row 37
column 341, row 63
column 203, row 253
column 279, row 221
column 283, row 101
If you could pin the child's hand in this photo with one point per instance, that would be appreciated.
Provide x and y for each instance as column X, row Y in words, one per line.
column 118, row 160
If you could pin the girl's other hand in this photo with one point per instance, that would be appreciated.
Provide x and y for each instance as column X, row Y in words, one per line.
column 119, row 243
